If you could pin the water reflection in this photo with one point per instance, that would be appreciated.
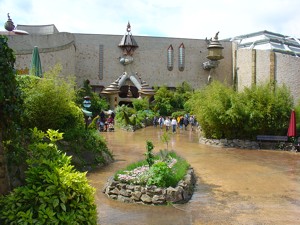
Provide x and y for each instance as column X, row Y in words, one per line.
column 234, row 186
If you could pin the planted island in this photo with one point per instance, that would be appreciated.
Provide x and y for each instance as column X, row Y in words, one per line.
column 161, row 178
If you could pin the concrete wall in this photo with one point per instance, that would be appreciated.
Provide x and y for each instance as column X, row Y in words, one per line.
column 54, row 49
column 262, row 66
column 80, row 55
column 288, row 72
column 284, row 69
column 244, row 68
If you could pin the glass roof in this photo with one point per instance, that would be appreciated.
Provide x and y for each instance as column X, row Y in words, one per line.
column 266, row 40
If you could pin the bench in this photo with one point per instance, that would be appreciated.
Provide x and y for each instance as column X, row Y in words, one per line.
column 271, row 138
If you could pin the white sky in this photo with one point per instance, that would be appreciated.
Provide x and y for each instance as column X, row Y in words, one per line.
column 162, row 18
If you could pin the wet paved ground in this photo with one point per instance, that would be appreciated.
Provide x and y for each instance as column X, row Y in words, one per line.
column 233, row 187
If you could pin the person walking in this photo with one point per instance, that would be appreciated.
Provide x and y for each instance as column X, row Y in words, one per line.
column 185, row 122
column 174, row 124
column 192, row 122
column 155, row 121
column 167, row 123
column 161, row 121
column 181, row 122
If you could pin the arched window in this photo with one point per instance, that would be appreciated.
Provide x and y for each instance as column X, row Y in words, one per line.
column 181, row 57
column 170, row 58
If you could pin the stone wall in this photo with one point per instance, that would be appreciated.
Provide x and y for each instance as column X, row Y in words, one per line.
column 152, row 194
column 54, row 49
column 288, row 73
column 96, row 57
column 286, row 70
column 247, row 144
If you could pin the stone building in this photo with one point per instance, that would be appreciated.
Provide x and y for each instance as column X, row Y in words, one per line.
column 122, row 74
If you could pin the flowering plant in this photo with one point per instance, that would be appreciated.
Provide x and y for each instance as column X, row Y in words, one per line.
column 142, row 174
column 163, row 169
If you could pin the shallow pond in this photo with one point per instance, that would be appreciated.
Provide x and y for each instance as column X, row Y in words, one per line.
column 233, row 187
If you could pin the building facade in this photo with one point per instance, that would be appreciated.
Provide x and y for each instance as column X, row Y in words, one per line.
column 248, row 59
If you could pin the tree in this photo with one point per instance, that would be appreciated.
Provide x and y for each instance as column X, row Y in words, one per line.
column 163, row 98
column 8, row 104
column 140, row 104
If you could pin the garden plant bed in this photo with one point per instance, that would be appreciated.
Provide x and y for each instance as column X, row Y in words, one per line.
column 154, row 195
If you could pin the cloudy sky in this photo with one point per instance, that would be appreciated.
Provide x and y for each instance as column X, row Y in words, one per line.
column 162, row 18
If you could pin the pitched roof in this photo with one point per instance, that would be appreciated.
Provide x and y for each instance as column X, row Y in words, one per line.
column 266, row 40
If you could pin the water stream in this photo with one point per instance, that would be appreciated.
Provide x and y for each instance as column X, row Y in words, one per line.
column 233, row 187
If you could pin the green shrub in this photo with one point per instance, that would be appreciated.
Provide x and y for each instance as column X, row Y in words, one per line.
column 49, row 102
column 88, row 148
column 268, row 110
column 126, row 116
column 224, row 113
column 54, row 191
column 169, row 101
column 167, row 170
column 123, row 114
column 160, row 175
column 163, row 98
column 140, row 104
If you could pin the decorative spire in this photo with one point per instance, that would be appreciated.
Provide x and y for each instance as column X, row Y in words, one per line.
column 9, row 25
column 128, row 44
column 128, row 27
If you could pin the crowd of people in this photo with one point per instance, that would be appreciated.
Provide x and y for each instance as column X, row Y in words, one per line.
column 181, row 122
column 106, row 123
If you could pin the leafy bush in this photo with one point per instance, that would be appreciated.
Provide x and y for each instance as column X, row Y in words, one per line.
column 49, row 102
column 88, row 148
column 163, row 98
column 140, row 104
column 224, row 113
column 268, row 108
column 169, row 101
column 123, row 114
column 166, row 170
column 126, row 116
column 54, row 191
column 160, row 175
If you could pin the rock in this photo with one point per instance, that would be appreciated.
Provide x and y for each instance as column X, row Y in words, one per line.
column 130, row 187
column 158, row 199
column 136, row 195
column 146, row 198
column 125, row 192
column 174, row 195
column 124, row 199
column 114, row 191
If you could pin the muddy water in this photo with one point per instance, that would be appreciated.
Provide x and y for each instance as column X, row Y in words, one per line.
column 233, row 187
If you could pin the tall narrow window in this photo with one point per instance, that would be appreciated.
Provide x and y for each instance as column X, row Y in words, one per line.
column 181, row 57
column 170, row 58
column 101, row 62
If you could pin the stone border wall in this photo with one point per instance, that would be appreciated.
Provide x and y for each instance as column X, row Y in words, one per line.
column 247, row 144
column 129, row 193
